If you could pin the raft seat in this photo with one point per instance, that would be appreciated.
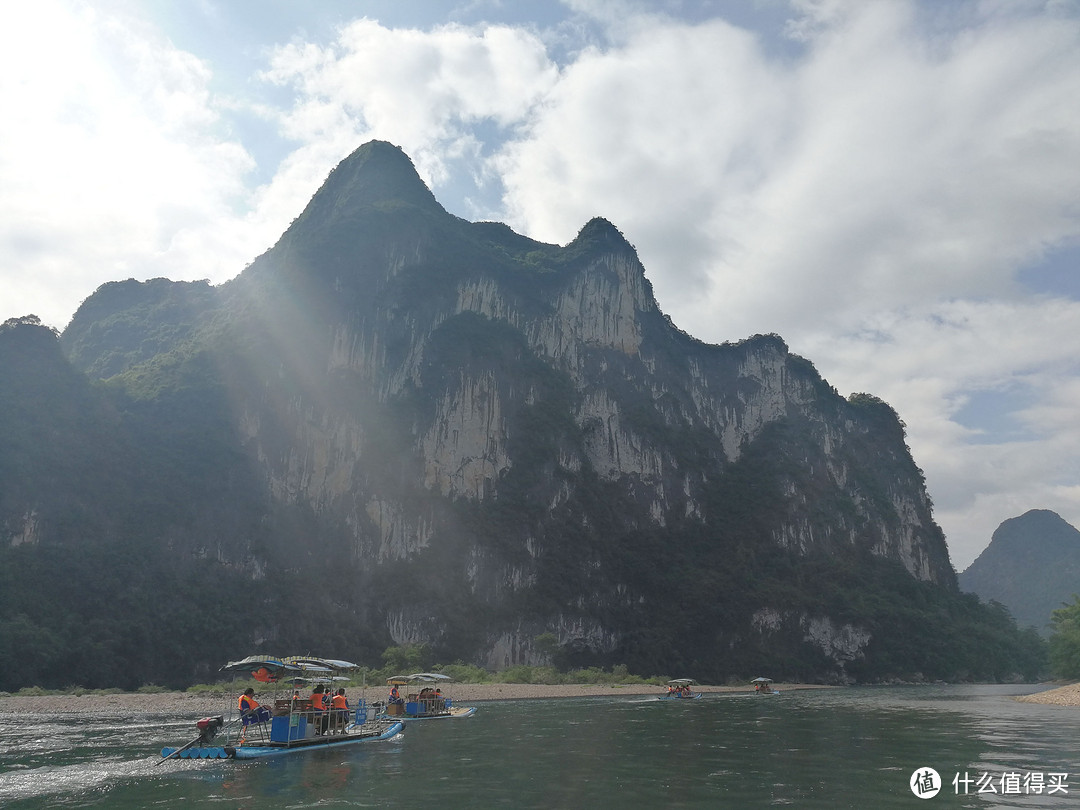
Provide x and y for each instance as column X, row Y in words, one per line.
column 257, row 722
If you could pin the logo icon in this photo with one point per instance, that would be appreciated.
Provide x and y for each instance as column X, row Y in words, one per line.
column 925, row 783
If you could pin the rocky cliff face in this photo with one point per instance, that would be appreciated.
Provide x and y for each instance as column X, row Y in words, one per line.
column 508, row 438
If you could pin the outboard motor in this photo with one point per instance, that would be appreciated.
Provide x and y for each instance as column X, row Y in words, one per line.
column 208, row 728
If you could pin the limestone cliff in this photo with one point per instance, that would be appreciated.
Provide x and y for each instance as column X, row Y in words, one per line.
column 509, row 438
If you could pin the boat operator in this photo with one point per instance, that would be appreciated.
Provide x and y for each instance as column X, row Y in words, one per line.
column 249, row 707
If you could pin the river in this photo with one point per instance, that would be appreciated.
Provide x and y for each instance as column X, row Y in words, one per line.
column 857, row 747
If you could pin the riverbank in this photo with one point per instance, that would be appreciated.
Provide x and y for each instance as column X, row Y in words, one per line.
column 1068, row 695
column 133, row 703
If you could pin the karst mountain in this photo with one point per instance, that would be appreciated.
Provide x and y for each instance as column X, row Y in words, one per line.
column 399, row 427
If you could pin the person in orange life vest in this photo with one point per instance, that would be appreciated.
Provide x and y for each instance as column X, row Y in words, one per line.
column 394, row 696
column 339, row 707
column 319, row 707
column 250, row 708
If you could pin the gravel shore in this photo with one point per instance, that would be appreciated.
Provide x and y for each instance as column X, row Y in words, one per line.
column 180, row 703
column 1068, row 695
column 200, row 703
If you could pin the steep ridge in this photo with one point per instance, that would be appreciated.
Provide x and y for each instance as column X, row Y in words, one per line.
column 478, row 440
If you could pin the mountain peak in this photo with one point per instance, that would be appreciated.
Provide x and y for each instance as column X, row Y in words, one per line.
column 1031, row 566
column 600, row 231
column 383, row 172
column 1038, row 532
column 377, row 173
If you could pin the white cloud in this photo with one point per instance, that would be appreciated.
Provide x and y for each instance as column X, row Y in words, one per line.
column 108, row 159
column 663, row 135
column 927, row 362
column 877, row 170
column 423, row 90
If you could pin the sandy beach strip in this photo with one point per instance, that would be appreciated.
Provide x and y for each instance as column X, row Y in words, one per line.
column 1068, row 695
column 178, row 703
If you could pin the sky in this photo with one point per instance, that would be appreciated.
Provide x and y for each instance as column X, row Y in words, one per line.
column 891, row 186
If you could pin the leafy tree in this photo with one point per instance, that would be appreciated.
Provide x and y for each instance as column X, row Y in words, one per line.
column 1065, row 640
column 407, row 658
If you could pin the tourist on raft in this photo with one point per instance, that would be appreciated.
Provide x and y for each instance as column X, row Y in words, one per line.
column 249, row 707
column 339, row 707
column 320, row 708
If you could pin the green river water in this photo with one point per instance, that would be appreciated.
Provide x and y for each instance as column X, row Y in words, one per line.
column 856, row 747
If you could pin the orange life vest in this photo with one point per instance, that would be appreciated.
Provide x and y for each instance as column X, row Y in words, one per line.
column 339, row 702
column 318, row 701
column 247, row 703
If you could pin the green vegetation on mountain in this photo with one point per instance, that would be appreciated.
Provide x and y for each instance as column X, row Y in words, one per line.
column 398, row 428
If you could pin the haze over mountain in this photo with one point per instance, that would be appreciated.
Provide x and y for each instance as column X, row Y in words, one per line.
column 400, row 427
column 1032, row 567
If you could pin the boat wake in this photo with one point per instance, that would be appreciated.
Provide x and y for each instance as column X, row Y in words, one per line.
column 73, row 780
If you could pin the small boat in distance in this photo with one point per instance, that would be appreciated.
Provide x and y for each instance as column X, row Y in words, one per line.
column 680, row 689
column 423, row 698
column 763, row 686
column 291, row 723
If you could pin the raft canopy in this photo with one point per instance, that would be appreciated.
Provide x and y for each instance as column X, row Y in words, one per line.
column 267, row 662
column 294, row 666
column 682, row 682
column 418, row 677
column 329, row 664
column 322, row 679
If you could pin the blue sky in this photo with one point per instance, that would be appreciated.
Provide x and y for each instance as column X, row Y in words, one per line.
column 893, row 187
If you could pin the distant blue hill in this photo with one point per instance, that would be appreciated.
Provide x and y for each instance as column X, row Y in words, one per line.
column 1031, row 566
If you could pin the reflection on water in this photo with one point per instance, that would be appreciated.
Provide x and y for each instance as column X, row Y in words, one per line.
column 855, row 747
